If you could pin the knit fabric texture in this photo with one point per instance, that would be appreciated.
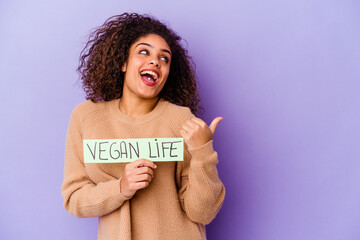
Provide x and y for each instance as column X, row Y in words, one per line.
column 182, row 198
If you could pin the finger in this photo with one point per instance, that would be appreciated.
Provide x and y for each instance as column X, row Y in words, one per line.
column 144, row 170
column 214, row 124
column 140, row 185
column 184, row 134
column 194, row 123
column 143, row 177
column 198, row 121
column 143, row 163
column 187, row 127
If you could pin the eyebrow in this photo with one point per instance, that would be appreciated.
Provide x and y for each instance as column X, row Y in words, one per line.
column 149, row 45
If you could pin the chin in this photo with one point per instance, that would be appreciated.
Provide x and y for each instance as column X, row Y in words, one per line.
column 148, row 95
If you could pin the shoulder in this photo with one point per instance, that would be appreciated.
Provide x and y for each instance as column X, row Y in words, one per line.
column 176, row 115
column 89, row 109
column 180, row 113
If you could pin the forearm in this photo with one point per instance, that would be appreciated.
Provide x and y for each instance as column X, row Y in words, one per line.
column 87, row 199
column 203, row 191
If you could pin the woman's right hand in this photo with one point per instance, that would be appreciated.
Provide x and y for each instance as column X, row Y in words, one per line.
column 137, row 175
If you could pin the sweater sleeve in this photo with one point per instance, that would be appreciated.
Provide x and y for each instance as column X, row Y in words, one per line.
column 82, row 197
column 201, row 191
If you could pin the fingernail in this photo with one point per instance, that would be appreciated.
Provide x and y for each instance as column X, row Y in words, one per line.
column 155, row 166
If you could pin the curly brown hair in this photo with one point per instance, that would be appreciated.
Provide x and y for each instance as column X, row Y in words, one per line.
column 108, row 48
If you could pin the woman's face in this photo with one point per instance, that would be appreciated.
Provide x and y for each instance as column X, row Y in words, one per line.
column 147, row 67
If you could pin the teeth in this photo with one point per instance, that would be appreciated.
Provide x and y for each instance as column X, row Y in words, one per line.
column 155, row 76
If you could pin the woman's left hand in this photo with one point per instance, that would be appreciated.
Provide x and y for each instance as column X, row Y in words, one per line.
column 197, row 133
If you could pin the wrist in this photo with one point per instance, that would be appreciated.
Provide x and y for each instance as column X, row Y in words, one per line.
column 123, row 190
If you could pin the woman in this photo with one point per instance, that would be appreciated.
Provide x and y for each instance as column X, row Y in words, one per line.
column 140, row 84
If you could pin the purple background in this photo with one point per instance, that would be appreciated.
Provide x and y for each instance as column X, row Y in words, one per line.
column 285, row 75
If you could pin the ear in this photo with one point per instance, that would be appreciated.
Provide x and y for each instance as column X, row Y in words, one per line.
column 123, row 67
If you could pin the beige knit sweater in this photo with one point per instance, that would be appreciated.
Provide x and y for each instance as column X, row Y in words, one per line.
column 180, row 200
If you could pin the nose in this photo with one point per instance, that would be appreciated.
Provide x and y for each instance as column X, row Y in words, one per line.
column 154, row 62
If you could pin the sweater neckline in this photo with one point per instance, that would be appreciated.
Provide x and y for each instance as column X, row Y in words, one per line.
column 158, row 110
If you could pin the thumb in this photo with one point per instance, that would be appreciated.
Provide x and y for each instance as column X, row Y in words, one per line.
column 214, row 124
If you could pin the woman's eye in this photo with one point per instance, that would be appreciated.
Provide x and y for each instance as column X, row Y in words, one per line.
column 143, row 52
column 165, row 59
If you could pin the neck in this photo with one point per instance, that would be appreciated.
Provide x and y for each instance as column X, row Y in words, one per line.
column 137, row 106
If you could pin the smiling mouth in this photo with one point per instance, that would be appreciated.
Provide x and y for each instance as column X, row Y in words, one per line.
column 149, row 77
